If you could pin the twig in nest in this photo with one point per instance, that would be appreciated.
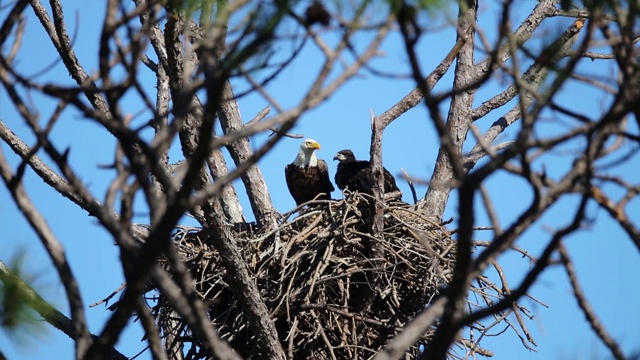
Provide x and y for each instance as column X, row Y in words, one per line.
column 411, row 187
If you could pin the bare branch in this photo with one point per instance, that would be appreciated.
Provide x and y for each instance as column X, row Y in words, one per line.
column 240, row 150
column 56, row 254
column 588, row 311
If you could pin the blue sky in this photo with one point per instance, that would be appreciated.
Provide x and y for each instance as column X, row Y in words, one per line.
column 605, row 259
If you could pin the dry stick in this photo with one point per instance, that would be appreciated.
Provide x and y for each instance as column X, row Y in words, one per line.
column 323, row 264
column 475, row 349
column 413, row 331
column 411, row 187
column 108, row 28
column 291, row 335
column 376, row 217
column 512, row 247
column 343, row 312
column 299, row 237
column 150, row 330
column 284, row 225
column 476, row 154
column 114, row 293
column 119, row 182
column 193, row 315
column 200, row 322
column 15, row 15
column 586, row 308
column 325, row 339
column 491, row 212
column 11, row 18
column 514, row 306
column 618, row 213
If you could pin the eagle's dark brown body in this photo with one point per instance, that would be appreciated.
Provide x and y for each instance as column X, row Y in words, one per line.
column 307, row 177
column 308, row 183
column 355, row 175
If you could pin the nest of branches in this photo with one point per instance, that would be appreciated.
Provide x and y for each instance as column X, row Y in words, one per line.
column 332, row 289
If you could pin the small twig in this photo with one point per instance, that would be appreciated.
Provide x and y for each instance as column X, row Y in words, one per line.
column 116, row 291
column 410, row 183
column 586, row 308
column 324, row 336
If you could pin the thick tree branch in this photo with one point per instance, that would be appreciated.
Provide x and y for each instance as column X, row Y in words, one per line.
column 231, row 121
column 448, row 169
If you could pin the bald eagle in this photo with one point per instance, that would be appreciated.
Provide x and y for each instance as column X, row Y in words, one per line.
column 307, row 177
column 356, row 174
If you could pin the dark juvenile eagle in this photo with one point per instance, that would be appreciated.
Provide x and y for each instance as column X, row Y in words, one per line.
column 356, row 174
column 307, row 177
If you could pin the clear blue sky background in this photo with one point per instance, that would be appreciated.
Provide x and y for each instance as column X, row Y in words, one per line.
column 606, row 260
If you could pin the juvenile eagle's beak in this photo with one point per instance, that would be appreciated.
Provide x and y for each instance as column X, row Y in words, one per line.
column 337, row 157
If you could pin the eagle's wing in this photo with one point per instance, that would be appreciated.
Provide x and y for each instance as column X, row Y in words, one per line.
column 323, row 173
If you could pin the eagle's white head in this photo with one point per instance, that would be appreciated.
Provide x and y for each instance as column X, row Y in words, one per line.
column 306, row 155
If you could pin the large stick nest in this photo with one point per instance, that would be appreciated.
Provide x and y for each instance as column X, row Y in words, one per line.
column 328, row 295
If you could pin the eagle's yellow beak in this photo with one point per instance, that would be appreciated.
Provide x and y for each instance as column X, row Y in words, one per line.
column 315, row 145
